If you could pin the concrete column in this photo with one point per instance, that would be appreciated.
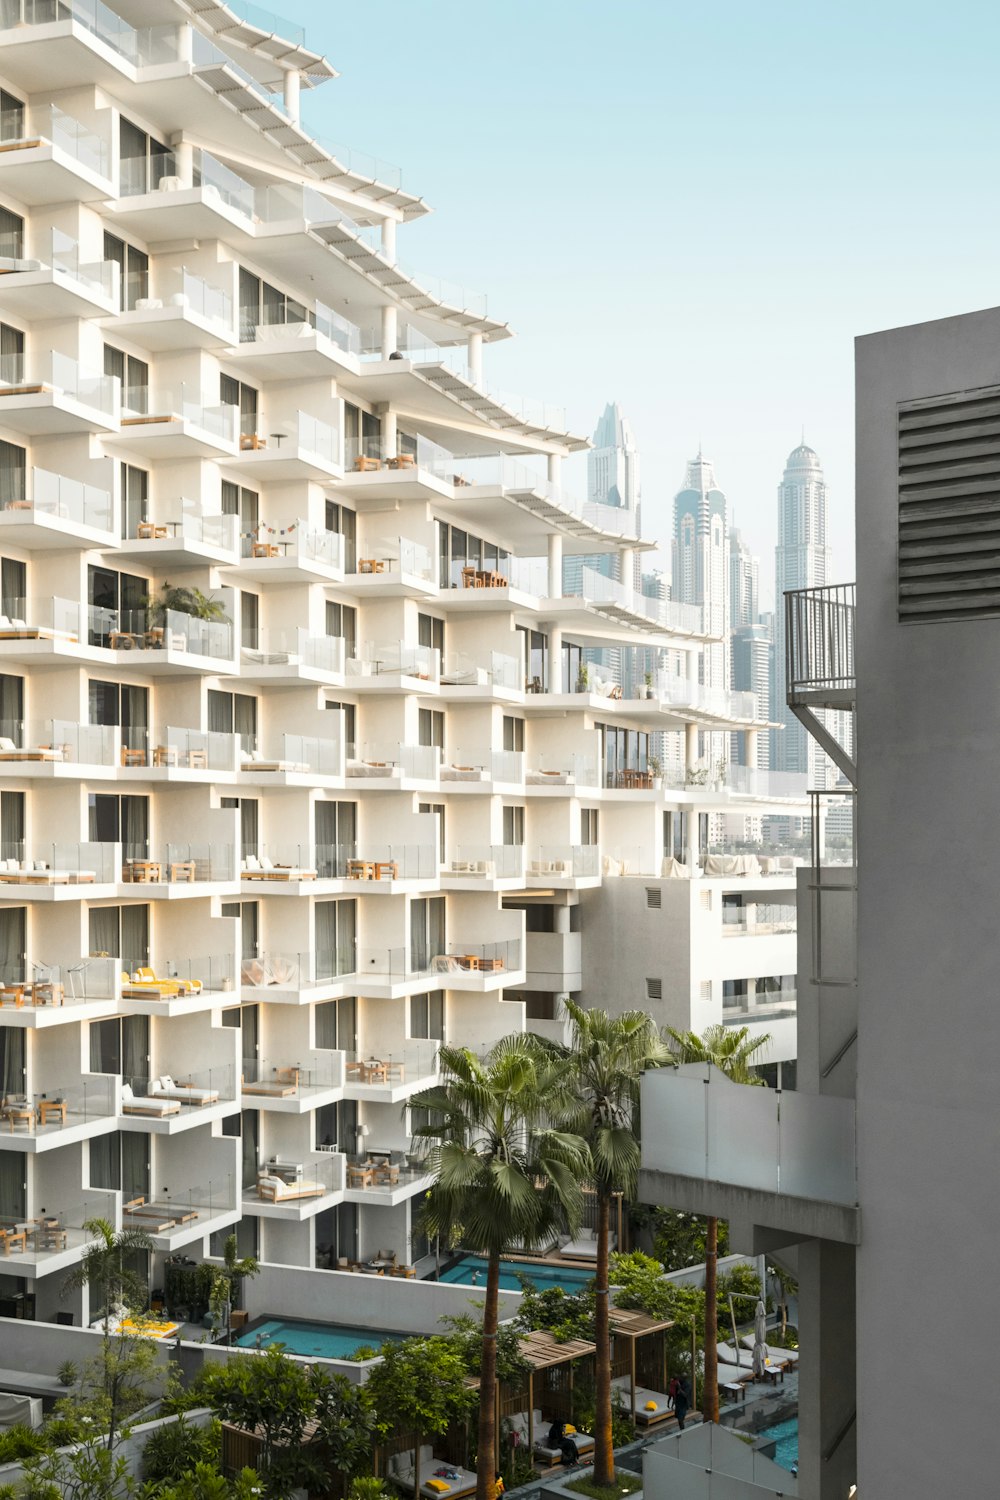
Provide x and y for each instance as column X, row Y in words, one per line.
column 691, row 851
column 555, row 659
column 561, row 918
column 555, row 565
column 185, row 44
column 390, row 331
column 827, row 1376
column 293, row 86
column 475, row 358
column 184, row 161
column 555, row 468
column 750, row 747
column 690, row 746
column 389, row 435
column 692, row 665
column 388, row 244
column 626, row 566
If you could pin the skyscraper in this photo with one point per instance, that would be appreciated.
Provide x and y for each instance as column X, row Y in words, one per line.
column 801, row 560
column 612, row 479
column 744, row 581
column 700, row 551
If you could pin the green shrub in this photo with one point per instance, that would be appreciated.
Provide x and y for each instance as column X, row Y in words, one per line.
column 364, row 1351
column 367, row 1487
column 19, row 1442
column 175, row 1448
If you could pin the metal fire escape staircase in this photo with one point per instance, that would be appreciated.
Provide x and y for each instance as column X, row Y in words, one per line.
column 819, row 664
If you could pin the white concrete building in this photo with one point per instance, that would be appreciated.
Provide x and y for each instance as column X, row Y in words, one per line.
column 260, row 855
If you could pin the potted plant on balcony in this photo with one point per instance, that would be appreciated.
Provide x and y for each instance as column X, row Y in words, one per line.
column 656, row 771
column 645, row 688
column 583, row 677
column 183, row 601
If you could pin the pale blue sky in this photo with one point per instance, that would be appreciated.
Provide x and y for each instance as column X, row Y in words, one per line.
column 690, row 208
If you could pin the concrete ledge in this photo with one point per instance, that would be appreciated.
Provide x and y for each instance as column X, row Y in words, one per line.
column 798, row 1218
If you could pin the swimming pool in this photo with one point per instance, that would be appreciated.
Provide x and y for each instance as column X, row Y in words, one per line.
column 785, row 1436
column 322, row 1340
column 471, row 1271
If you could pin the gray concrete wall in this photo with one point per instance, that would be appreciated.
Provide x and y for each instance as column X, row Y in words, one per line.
column 929, row 1017
column 624, row 944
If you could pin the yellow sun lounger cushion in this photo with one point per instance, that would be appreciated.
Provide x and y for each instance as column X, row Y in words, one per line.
column 650, row 1405
column 438, row 1485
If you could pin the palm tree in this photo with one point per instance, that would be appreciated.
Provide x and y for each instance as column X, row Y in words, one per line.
column 607, row 1057
column 502, row 1178
column 105, row 1268
column 732, row 1050
column 226, row 1281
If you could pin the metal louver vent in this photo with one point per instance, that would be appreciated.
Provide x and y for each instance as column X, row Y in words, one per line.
column 654, row 898
column 949, row 507
column 654, row 989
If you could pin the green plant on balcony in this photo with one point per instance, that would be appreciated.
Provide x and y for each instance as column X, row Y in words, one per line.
column 183, row 601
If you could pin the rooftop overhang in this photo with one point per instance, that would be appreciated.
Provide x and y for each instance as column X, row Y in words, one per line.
column 277, row 53
column 593, row 623
column 796, row 1218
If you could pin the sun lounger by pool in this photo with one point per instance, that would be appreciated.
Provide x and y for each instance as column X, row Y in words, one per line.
column 265, row 869
column 164, row 1087
column 273, row 1189
column 9, row 751
column 649, row 1406
column 540, row 1431
column 133, row 1104
column 450, row 1483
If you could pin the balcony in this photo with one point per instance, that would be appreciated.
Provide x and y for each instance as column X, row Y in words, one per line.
column 178, row 642
column 59, row 872
column 564, row 866
column 785, row 1158
column 66, row 1111
column 465, row 769
column 391, row 1077
column 179, row 986
column 290, row 656
column 179, row 1218
column 58, row 993
column 179, row 869
column 391, row 766
column 49, row 394
column 477, row 867
column 319, row 345
column 296, row 1190
column 294, row 978
column 58, row 283
column 387, row 1177
column 185, row 312
column 41, row 514
column 284, row 1086
column 495, row 677
column 184, row 542
column 178, row 1099
column 393, row 567
column 300, row 446
column 185, row 192
column 378, row 867
column 176, row 424
column 284, row 869
column 383, row 667
column 290, row 553
column 298, row 761
column 173, row 753
column 481, row 967
column 49, row 156
column 53, row 1240
column 40, row 628
column 56, row 747
column 554, row 772
column 600, row 604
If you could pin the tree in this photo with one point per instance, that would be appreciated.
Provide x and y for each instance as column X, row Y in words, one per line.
column 607, row 1057
column 501, row 1173
column 127, row 1360
column 732, row 1050
column 420, row 1387
column 226, row 1282
column 183, row 601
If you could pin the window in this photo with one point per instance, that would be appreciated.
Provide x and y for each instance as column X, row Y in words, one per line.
column 245, row 397
column 342, row 624
column 237, row 501
column 336, row 938
column 430, row 727
column 535, row 647
column 438, row 808
column 427, row 932
column 513, row 825
column 427, row 1016
column 120, row 932
column 11, row 117
column 13, row 475
column 430, row 632
column 118, row 601
column 119, row 820
column 625, row 756
column 336, row 829
column 13, row 587
column 144, row 161
column 350, row 713
column 11, row 355
column 11, row 707
column 589, row 825
column 344, row 521
column 513, row 732
column 135, row 498
column 250, row 620
column 263, row 305
column 133, row 269
column 11, row 235
column 124, row 704
column 134, row 376
column 459, row 549
column 337, row 1024
column 233, row 713
column 11, row 825
column 13, row 948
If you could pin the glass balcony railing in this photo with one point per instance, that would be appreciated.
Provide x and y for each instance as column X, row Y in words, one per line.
column 180, row 978
column 396, row 658
column 565, row 860
column 38, row 985
column 48, row 122
column 486, row 861
column 210, row 531
column 178, row 748
column 38, row 492
column 395, row 555
column 176, row 1212
column 295, row 971
column 290, row 1078
column 91, row 15
column 394, row 762
column 59, row 375
column 61, row 621
column 58, row 742
column 55, row 1102
column 167, row 630
column 167, row 170
column 142, row 406
column 299, row 753
column 176, row 1088
column 562, row 769
column 211, row 302
column 58, row 864
column 377, row 1068
column 496, row 670
column 282, row 1180
column 297, row 540
column 595, row 588
column 371, row 861
column 483, row 764
column 295, row 648
column 273, row 863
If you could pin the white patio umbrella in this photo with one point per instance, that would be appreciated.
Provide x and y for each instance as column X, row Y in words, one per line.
column 760, row 1354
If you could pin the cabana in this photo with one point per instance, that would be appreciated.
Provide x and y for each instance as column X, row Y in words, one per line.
column 639, row 1364
column 544, row 1393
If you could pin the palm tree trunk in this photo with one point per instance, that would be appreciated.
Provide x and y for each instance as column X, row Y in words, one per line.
column 710, row 1385
column 604, row 1453
column 486, row 1458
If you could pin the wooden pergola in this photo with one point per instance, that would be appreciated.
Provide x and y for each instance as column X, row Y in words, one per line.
column 639, row 1350
column 548, row 1381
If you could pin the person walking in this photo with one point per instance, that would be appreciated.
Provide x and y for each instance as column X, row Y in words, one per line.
column 682, row 1401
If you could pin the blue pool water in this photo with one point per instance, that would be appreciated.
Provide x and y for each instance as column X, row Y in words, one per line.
column 786, row 1437
column 322, row 1340
column 471, row 1271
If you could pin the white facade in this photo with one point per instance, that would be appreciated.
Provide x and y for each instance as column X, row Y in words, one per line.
column 256, row 866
